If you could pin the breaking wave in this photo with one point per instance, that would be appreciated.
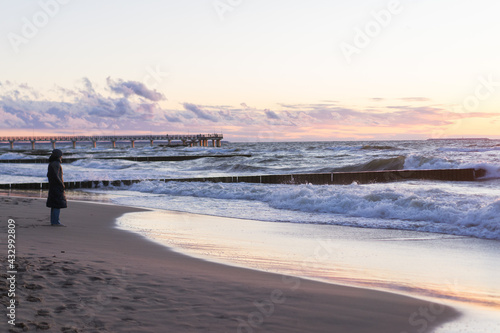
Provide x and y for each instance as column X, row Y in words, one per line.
column 426, row 208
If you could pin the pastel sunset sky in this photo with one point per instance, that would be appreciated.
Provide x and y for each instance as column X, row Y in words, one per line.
column 255, row 70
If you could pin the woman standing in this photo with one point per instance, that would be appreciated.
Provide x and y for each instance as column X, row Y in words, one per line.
column 56, row 199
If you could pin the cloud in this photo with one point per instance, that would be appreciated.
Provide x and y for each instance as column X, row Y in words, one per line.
column 172, row 119
column 111, row 109
column 88, row 86
column 199, row 112
column 416, row 99
column 10, row 120
column 128, row 88
column 271, row 114
column 87, row 108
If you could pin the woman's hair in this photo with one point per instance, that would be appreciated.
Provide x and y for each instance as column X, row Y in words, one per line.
column 53, row 158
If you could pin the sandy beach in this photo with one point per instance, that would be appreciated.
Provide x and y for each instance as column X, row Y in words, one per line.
column 92, row 277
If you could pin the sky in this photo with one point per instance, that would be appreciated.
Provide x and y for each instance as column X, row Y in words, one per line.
column 274, row 70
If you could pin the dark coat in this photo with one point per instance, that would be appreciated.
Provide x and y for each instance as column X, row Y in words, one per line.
column 56, row 198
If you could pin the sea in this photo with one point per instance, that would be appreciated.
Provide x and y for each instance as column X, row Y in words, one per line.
column 431, row 239
column 455, row 208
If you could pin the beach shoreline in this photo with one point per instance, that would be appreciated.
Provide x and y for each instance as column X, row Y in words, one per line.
column 92, row 277
column 377, row 259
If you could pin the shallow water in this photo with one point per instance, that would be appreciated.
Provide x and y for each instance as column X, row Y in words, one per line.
column 460, row 271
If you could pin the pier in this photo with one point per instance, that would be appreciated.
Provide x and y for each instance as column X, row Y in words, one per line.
column 191, row 140
column 332, row 178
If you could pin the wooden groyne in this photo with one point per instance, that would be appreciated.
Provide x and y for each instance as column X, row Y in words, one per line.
column 333, row 178
column 127, row 158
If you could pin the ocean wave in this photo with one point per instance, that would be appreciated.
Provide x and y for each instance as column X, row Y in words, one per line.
column 363, row 147
column 413, row 162
column 492, row 170
column 469, row 150
column 12, row 156
column 207, row 150
column 344, row 148
column 377, row 164
column 239, row 167
column 427, row 209
column 103, row 164
column 376, row 147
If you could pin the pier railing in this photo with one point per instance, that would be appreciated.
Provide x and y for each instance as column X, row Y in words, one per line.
column 187, row 139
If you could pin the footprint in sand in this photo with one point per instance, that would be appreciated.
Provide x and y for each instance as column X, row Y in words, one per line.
column 42, row 325
column 95, row 278
column 70, row 271
column 21, row 326
column 68, row 283
column 60, row 309
column 128, row 308
column 43, row 313
column 45, row 267
column 33, row 286
column 72, row 306
column 33, row 299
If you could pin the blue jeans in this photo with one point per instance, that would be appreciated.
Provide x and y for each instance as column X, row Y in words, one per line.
column 54, row 216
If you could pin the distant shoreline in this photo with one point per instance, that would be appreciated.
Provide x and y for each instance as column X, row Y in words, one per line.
column 465, row 139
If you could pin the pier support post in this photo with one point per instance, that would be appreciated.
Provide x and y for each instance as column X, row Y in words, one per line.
column 132, row 143
column 11, row 144
column 94, row 143
column 113, row 143
column 74, row 143
column 32, row 144
column 53, row 144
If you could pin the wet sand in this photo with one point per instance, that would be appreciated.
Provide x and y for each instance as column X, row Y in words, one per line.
column 92, row 277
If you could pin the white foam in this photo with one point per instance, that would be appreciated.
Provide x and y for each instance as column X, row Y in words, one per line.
column 103, row 164
column 12, row 156
column 413, row 162
column 422, row 208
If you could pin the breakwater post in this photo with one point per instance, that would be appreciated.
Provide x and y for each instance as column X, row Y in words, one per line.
column 333, row 178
